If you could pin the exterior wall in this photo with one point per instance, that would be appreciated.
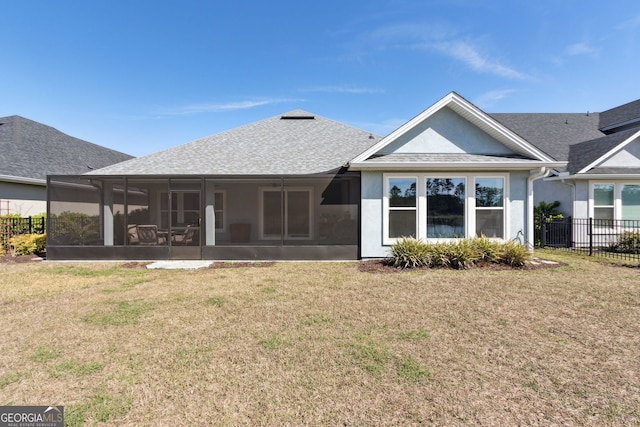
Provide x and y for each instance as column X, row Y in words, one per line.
column 372, row 239
column 550, row 191
column 24, row 199
column 581, row 204
column 517, row 209
column 446, row 132
column 371, row 216
column 628, row 157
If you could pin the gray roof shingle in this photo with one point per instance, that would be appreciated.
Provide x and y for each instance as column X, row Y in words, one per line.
column 294, row 143
column 553, row 133
column 623, row 116
column 585, row 153
column 33, row 150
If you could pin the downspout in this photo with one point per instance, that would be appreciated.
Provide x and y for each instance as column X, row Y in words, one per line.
column 533, row 176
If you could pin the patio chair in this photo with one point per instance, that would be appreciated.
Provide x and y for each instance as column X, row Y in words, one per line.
column 148, row 235
column 189, row 238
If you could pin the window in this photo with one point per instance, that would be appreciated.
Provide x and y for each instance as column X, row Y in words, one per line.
column 444, row 206
column 490, row 207
column 297, row 210
column 603, row 205
column 614, row 201
column 219, row 205
column 402, row 199
column 630, row 197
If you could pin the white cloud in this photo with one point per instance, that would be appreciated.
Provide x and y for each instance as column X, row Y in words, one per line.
column 223, row 107
column 357, row 90
column 580, row 49
column 468, row 54
column 443, row 40
column 489, row 99
column 629, row 23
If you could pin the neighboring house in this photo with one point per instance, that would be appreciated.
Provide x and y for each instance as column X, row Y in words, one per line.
column 600, row 175
column 300, row 186
column 29, row 151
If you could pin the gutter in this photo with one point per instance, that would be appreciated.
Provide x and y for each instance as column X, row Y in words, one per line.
column 23, row 180
column 533, row 176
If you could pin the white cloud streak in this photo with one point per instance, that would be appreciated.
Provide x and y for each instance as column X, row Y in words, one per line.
column 224, row 107
column 580, row 49
column 489, row 99
column 356, row 90
column 443, row 40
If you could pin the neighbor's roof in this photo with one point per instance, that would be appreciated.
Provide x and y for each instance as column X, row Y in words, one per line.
column 31, row 150
column 553, row 133
column 583, row 154
column 294, row 143
column 620, row 117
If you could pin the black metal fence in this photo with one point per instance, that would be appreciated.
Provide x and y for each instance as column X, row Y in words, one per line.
column 603, row 237
column 13, row 226
column 28, row 225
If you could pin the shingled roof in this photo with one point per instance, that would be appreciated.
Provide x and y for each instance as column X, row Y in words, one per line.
column 621, row 117
column 293, row 143
column 553, row 133
column 32, row 150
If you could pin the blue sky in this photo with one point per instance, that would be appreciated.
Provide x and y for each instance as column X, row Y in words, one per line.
column 140, row 76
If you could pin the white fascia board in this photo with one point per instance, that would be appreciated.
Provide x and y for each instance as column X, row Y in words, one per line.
column 23, row 180
column 469, row 112
column 610, row 153
column 449, row 165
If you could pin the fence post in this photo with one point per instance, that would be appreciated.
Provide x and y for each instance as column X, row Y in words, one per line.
column 543, row 231
column 590, row 236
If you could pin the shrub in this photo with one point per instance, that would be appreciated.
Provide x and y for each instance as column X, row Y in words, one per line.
column 409, row 253
column 628, row 242
column 486, row 250
column 462, row 254
column 28, row 244
column 514, row 254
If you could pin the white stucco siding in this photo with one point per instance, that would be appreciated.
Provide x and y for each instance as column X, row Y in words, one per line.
column 446, row 132
column 372, row 211
column 551, row 191
column 628, row 157
column 371, row 216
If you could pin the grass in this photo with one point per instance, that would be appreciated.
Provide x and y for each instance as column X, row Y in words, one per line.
column 324, row 344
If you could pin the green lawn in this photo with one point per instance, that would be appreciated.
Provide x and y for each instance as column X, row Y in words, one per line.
column 323, row 344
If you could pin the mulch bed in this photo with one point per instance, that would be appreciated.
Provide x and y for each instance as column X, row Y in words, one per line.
column 10, row 259
column 382, row 266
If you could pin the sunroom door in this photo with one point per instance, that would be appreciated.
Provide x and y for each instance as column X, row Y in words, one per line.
column 185, row 224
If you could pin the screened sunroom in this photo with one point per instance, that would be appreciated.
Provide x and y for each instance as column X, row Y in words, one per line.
column 150, row 218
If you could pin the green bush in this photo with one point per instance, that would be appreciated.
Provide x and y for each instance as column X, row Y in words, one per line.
column 409, row 253
column 462, row 254
column 628, row 243
column 487, row 250
column 28, row 244
column 514, row 254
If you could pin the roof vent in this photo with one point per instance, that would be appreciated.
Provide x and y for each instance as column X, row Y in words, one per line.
column 297, row 118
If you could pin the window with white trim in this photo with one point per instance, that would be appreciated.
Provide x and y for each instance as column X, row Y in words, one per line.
column 402, row 206
column 490, row 207
column 294, row 213
column 614, row 201
column 446, row 207
column 443, row 206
